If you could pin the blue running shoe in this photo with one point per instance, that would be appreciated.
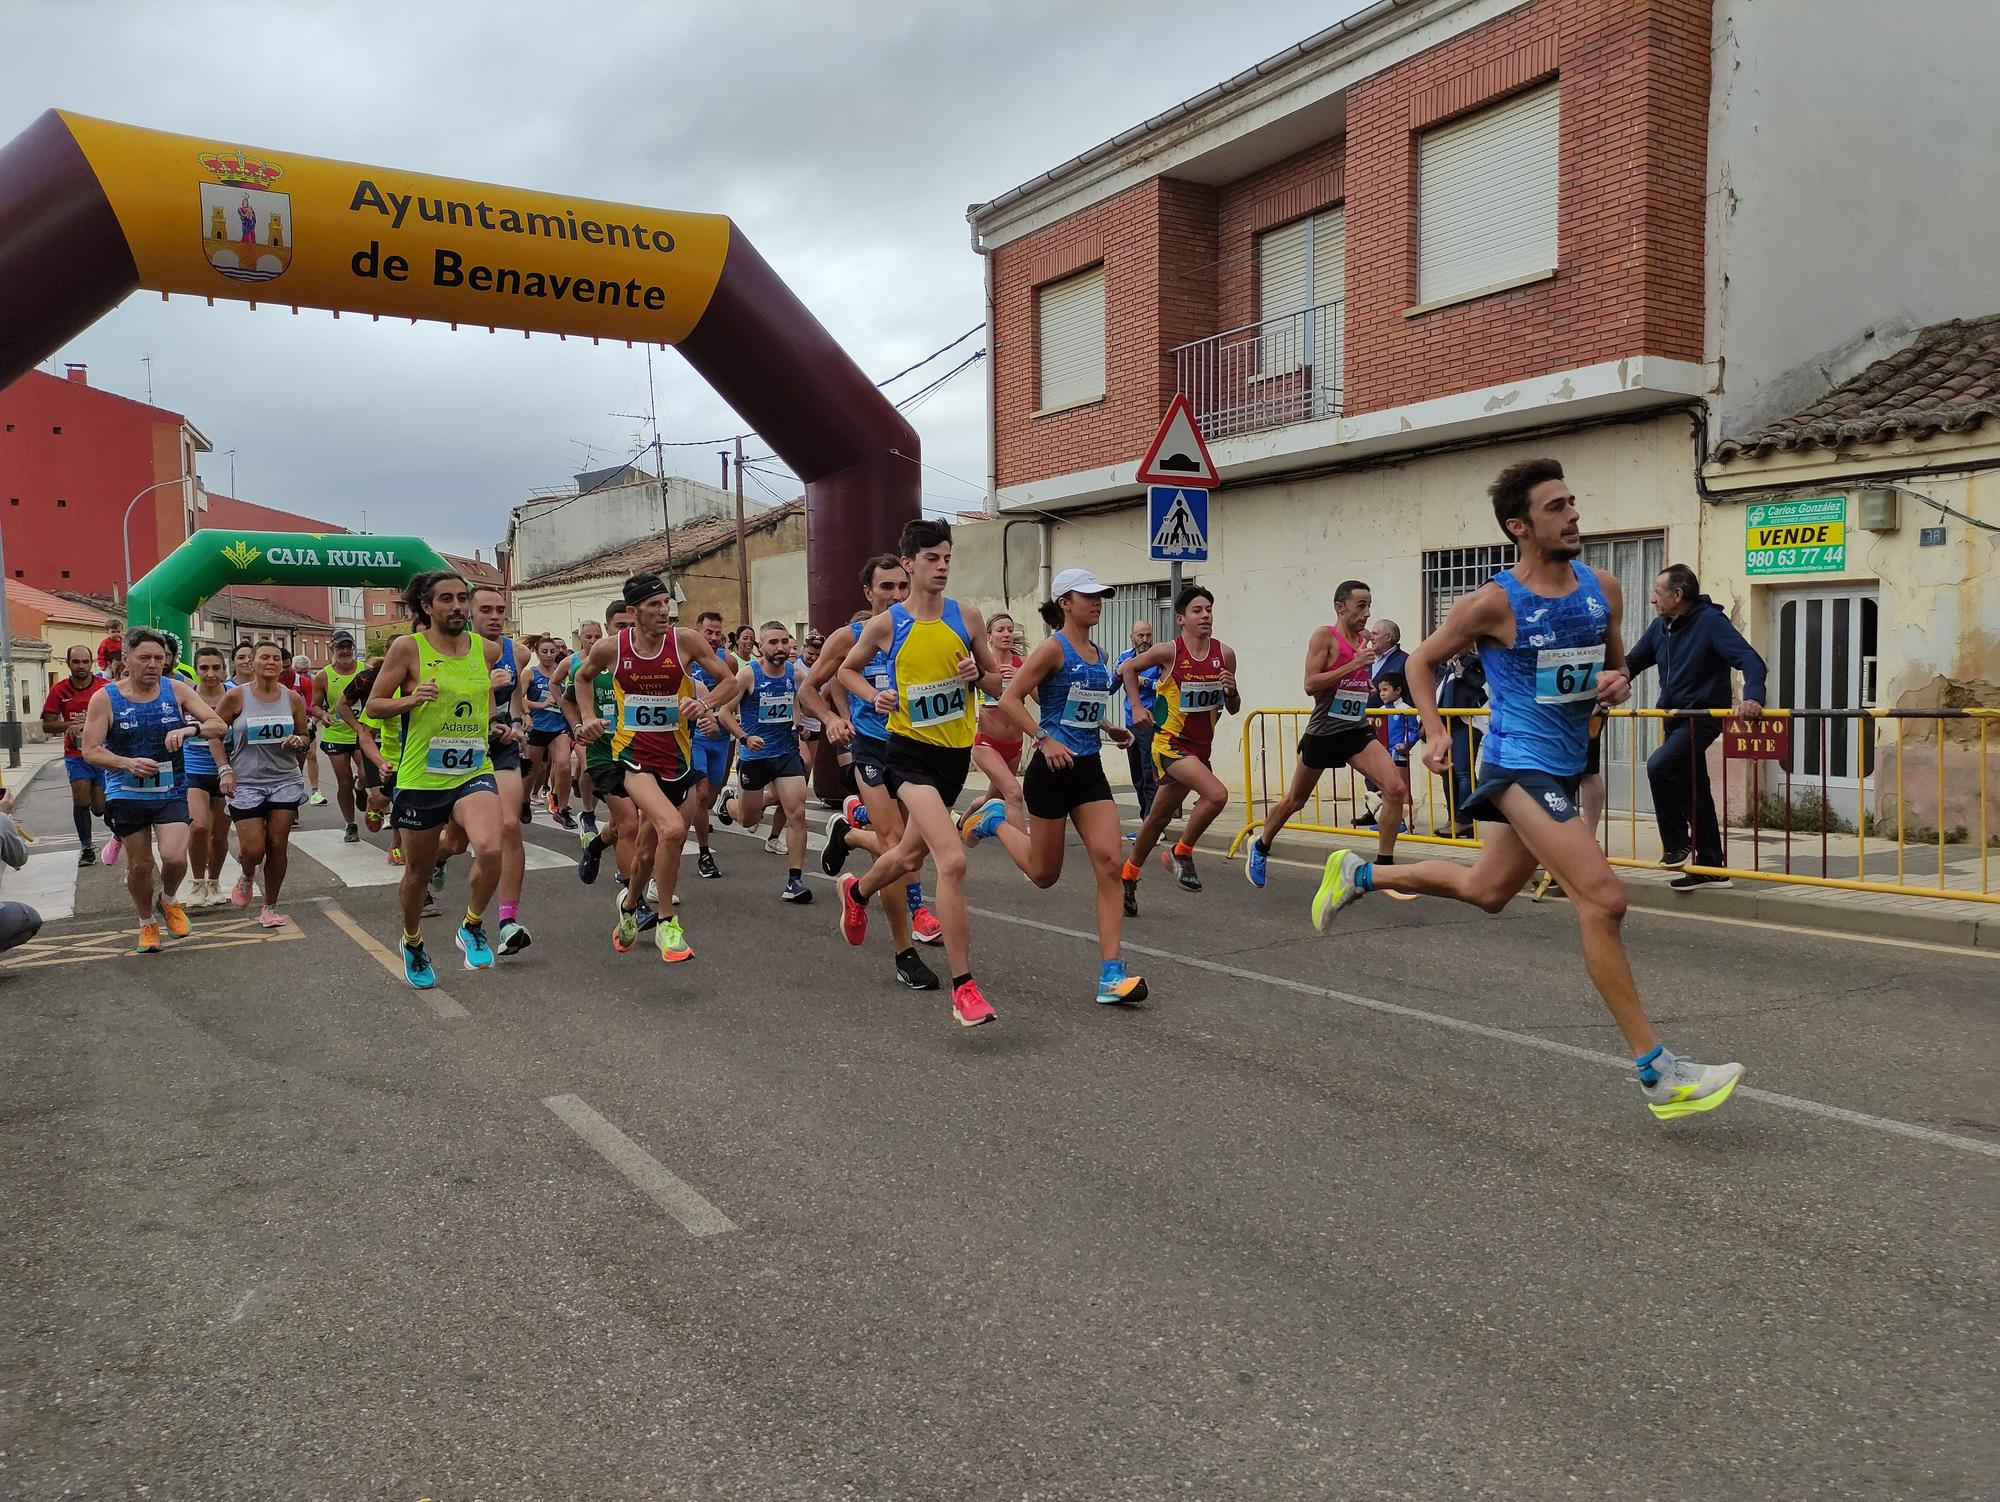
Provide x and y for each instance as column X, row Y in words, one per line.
column 417, row 967
column 1116, row 988
column 472, row 943
column 1254, row 866
column 981, row 822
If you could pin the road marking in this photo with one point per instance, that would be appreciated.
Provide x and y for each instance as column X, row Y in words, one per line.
column 1507, row 1035
column 435, row 999
column 47, row 883
column 366, row 865
column 83, row 945
column 647, row 1175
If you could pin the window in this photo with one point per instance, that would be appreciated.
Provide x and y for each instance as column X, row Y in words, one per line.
column 381, row 609
column 1451, row 572
column 65, row 573
column 61, row 504
column 1300, row 269
column 1069, row 322
column 57, row 431
column 1486, row 197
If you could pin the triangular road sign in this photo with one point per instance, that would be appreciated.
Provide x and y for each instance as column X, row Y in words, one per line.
column 1177, row 455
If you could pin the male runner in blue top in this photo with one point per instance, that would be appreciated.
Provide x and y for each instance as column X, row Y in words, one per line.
column 1547, row 633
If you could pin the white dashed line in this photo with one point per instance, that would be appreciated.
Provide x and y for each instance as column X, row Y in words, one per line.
column 648, row 1176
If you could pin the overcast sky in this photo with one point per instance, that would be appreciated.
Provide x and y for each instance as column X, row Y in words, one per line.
column 845, row 139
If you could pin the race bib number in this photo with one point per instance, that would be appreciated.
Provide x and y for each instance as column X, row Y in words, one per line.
column 267, row 732
column 1348, row 704
column 1201, row 698
column 455, row 754
column 937, row 703
column 774, row 709
column 1567, row 675
column 163, row 778
column 1084, row 708
column 654, row 712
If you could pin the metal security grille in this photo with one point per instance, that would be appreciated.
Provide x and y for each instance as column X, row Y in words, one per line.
column 1132, row 603
column 1451, row 572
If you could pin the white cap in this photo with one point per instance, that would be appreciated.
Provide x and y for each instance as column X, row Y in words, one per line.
column 1078, row 581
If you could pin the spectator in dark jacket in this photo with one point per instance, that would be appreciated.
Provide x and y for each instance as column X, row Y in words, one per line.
column 1694, row 647
column 1462, row 686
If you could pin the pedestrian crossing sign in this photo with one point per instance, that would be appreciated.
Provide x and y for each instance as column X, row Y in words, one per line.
column 1177, row 523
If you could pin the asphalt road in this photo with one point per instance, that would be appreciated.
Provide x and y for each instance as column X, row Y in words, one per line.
column 277, row 1228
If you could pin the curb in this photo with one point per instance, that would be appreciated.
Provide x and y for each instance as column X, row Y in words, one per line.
column 1963, row 924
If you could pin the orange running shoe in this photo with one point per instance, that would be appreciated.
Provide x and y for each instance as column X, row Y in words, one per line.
column 177, row 919
column 149, row 938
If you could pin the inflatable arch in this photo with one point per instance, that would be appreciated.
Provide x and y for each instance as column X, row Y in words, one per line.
column 213, row 559
column 91, row 211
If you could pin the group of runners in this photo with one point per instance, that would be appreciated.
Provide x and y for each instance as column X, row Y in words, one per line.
column 912, row 694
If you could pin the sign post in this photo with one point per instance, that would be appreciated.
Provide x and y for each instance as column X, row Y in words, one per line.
column 1178, row 474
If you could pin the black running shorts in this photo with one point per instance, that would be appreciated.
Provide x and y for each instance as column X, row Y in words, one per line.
column 1053, row 793
column 920, row 764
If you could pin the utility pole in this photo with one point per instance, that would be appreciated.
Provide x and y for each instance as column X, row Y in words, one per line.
column 742, row 553
column 13, row 727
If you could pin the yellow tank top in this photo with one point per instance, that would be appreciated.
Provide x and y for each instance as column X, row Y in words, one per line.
column 933, row 704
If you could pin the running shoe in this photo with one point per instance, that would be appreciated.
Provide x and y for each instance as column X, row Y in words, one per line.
column 437, row 873
column 705, row 866
column 352, row 836
column 722, row 802
column 587, row 867
column 1691, row 1088
column 549, row 797
column 796, row 891
column 585, row 836
column 1115, row 988
column 417, row 966
column 969, row 1007
column 1253, row 866
column 565, row 818
column 834, row 856
column 239, row 894
column 648, row 915
column 472, row 944
column 87, row 856
column 270, row 917
column 775, row 845
column 854, row 811
column 149, row 938
column 1696, row 881
column 111, row 851
column 914, row 973
column 514, row 937
column 626, row 934
column 1336, row 888
column 395, row 855
column 853, row 912
column 1183, row 868
column 981, row 821
column 317, row 799
column 176, row 916
column 373, row 819
column 673, row 943
column 1131, row 897
column 924, row 926
column 590, row 821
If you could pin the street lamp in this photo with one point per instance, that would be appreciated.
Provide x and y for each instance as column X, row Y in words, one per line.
column 125, row 526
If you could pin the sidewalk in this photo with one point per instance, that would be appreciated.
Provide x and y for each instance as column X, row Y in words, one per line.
column 34, row 756
column 1931, row 920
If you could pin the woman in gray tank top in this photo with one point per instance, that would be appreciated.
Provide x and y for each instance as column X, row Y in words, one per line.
column 265, row 778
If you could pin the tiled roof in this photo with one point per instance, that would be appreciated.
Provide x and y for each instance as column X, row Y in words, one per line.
column 694, row 541
column 475, row 570
column 227, row 605
column 56, row 607
column 1946, row 381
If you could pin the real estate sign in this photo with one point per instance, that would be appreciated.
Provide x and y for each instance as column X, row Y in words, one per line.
column 1796, row 537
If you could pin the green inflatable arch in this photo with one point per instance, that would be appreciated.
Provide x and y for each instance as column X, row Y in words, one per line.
column 211, row 560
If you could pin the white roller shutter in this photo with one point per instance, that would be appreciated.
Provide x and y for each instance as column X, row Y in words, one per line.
column 1486, row 197
column 1300, row 266
column 1070, row 319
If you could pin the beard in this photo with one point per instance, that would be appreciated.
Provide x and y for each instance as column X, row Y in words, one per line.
column 452, row 626
column 1563, row 551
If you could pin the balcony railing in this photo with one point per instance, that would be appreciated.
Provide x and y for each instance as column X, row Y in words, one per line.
column 1264, row 375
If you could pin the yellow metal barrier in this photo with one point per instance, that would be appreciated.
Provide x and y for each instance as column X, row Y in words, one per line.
column 1851, row 853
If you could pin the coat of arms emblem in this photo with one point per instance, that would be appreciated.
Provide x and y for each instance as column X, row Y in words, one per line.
column 245, row 226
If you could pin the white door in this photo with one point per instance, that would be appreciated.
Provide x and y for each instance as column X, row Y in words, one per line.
column 1635, row 561
column 1825, row 648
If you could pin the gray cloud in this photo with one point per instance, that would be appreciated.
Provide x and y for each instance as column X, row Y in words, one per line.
column 845, row 139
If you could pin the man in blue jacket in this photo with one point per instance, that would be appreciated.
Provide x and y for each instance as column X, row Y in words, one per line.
column 1694, row 647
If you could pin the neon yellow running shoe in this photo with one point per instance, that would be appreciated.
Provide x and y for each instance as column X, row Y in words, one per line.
column 626, row 934
column 1689, row 1088
column 673, row 943
column 1336, row 888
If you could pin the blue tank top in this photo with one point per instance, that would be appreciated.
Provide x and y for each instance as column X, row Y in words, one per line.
column 540, row 687
column 501, row 695
column 197, row 759
column 862, row 713
column 1542, row 688
column 769, row 711
column 707, row 679
column 1072, row 699
column 141, row 730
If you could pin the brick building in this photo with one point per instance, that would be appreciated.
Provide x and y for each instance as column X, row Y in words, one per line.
column 1443, row 235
